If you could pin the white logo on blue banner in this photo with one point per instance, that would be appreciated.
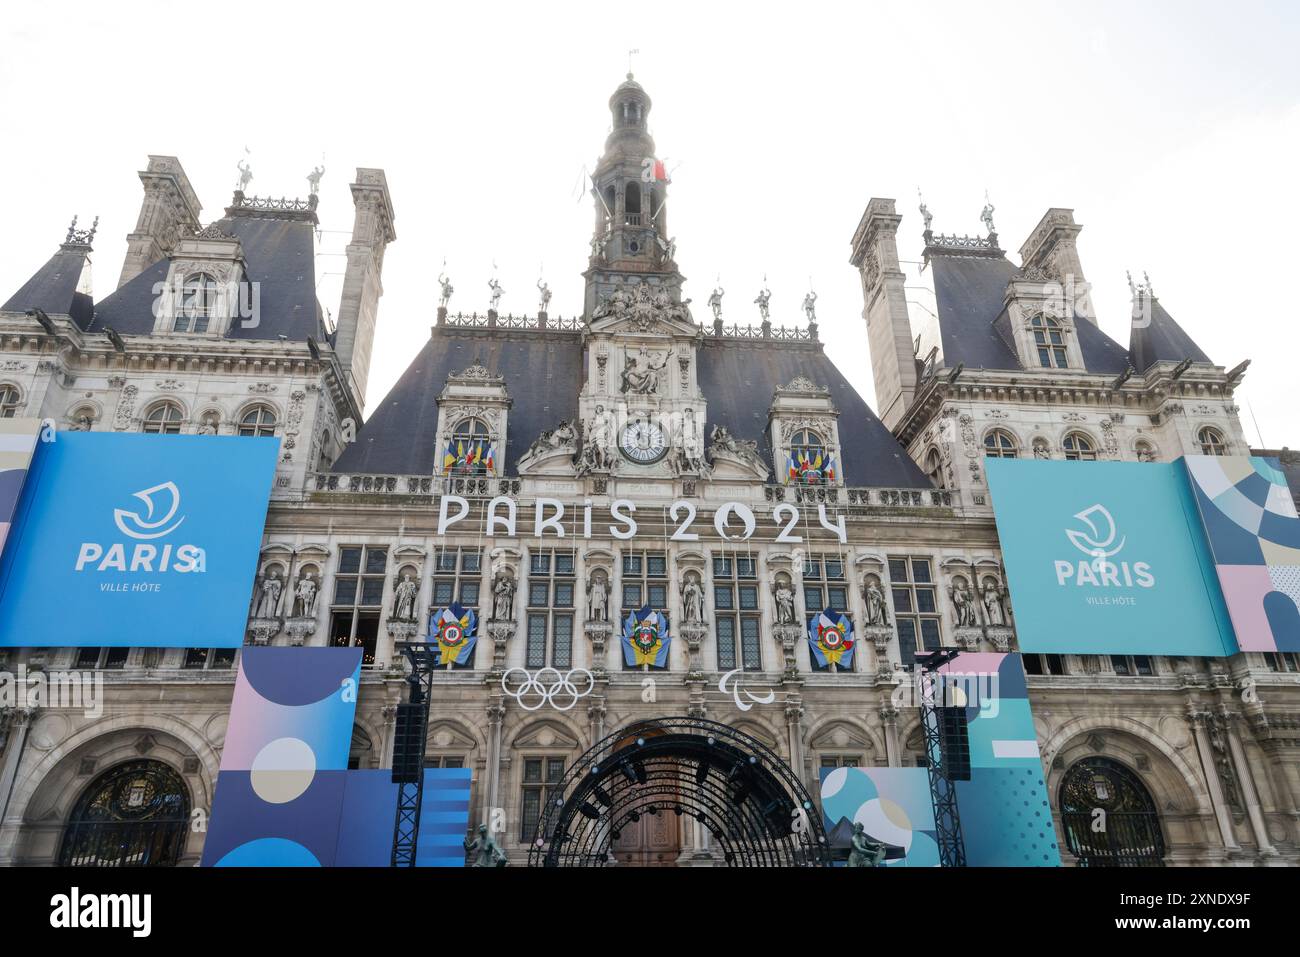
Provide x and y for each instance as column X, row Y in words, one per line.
column 136, row 540
column 1107, row 558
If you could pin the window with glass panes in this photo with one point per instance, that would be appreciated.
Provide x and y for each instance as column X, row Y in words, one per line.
column 457, row 576
column 541, row 776
column 358, row 599
column 645, row 581
column 108, row 658
column 840, row 760
column 916, row 607
column 1131, row 664
column 209, row 658
column 1043, row 664
column 550, row 609
column 735, row 612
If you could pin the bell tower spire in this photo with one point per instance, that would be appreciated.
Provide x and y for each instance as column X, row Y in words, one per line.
column 630, row 242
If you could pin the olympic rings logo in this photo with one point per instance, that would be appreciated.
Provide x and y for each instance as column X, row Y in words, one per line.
column 546, row 692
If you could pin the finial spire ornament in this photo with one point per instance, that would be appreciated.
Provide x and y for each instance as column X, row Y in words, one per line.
column 445, row 282
column 926, row 216
column 80, row 237
column 764, row 298
column 1132, row 288
column 986, row 215
column 630, row 54
column 1150, row 292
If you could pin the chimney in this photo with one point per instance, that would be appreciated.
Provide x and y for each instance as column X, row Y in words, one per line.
column 1051, row 250
column 169, row 204
column 889, row 333
column 372, row 231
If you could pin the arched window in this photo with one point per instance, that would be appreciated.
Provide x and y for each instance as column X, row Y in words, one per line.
column 1079, row 448
column 257, row 421
column 11, row 401
column 934, row 467
column 470, row 451
column 163, row 419
column 198, row 303
column 134, row 815
column 1212, row 441
column 632, row 204
column 999, row 444
column 1146, row 452
column 1049, row 340
column 1131, row 836
column 810, row 460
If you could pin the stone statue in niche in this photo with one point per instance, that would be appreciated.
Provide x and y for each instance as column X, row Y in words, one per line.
column 963, row 603
column 874, row 595
column 784, row 595
column 992, row 598
column 641, row 373
column 503, row 598
column 306, row 595
column 598, row 599
column 598, row 448
column 404, row 598
column 692, row 600
column 268, row 602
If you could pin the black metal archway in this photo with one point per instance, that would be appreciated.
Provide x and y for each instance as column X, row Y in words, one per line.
column 1109, row 817
column 750, row 802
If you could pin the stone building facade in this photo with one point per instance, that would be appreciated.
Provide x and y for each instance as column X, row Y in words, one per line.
column 508, row 466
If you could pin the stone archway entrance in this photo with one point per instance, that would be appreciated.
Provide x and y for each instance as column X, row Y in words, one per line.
column 136, row 814
column 740, row 792
column 1108, row 816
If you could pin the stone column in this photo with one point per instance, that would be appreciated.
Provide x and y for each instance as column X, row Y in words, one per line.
column 1198, row 719
column 889, row 719
column 1249, row 794
column 496, row 712
column 17, row 721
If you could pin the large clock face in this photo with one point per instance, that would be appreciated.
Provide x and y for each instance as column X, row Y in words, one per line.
column 643, row 442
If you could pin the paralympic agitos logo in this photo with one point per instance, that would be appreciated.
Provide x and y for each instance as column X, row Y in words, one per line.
column 1100, row 545
column 159, row 520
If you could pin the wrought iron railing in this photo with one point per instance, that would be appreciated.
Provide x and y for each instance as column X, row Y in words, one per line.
column 875, row 497
column 490, row 320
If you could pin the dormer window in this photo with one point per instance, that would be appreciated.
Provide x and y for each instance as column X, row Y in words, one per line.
column 198, row 305
column 811, row 462
column 1049, row 341
column 163, row 419
column 1212, row 441
column 470, row 451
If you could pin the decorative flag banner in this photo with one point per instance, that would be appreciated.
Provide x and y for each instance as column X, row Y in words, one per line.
column 1254, row 534
column 810, row 467
column 453, row 629
column 139, row 541
column 17, row 442
column 830, row 638
column 646, row 639
column 468, row 455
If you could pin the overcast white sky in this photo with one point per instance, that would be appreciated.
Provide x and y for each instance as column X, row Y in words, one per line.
column 1172, row 130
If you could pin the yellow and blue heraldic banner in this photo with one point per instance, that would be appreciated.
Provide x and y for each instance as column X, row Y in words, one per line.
column 453, row 629
column 646, row 639
column 830, row 639
column 136, row 540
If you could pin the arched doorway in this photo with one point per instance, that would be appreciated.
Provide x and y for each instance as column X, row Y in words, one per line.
column 739, row 790
column 1108, row 816
column 136, row 814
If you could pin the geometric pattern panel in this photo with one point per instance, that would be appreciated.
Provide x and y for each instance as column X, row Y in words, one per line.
column 893, row 806
column 1253, row 532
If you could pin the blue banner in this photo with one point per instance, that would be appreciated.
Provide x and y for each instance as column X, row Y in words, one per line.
column 1107, row 558
column 136, row 540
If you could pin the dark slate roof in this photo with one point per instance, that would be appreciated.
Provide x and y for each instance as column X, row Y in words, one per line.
column 280, row 256
column 1162, row 339
column 968, row 292
column 1290, row 462
column 738, row 378
column 53, row 288
column 975, row 328
column 544, row 373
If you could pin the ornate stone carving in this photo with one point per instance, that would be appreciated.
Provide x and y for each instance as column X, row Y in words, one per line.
column 125, row 408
